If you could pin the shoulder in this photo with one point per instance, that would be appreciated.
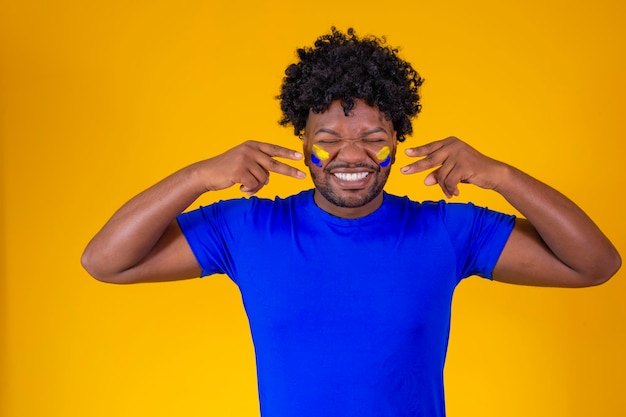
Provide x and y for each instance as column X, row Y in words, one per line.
column 234, row 217
column 241, row 209
column 427, row 207
column 255, row 203
column 453, row 214
column 277, row 205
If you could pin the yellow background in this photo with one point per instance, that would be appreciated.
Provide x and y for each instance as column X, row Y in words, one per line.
column 100, row 99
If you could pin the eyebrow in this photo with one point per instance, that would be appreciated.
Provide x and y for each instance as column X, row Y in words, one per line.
column 366, row 133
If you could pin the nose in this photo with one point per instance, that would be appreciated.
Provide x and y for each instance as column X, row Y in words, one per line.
column 352, row 153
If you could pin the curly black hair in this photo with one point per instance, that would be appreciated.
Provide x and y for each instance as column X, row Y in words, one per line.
column 345, row 67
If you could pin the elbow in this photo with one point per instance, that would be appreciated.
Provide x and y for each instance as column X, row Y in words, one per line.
column 88, row 263
column 605, row 269
column 614, row 265
column 96, row 268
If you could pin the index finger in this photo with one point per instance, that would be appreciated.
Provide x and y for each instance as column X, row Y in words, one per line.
column 276, row 151
column 279, row 151
column 284, row 169
column 431, row 157
column 424, row 150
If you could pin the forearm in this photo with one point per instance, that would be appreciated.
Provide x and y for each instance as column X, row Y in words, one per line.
column 134, row 230
column 557, row 244
column 143, row 243
column 565, row 229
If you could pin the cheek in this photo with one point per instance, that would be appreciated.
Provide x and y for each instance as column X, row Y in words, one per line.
column 318, row 156
column 315, row 160
column 317, row 175
column 384, row 156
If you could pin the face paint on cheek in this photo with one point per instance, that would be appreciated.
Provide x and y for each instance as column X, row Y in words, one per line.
column 384, row 156
column 318, row 155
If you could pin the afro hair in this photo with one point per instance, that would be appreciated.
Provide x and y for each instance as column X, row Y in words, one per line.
column 347, row 68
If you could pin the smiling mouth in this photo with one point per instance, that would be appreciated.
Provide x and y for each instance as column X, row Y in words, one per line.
column 351, row 176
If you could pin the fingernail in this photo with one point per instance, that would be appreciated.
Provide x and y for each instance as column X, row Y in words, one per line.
column 297, row 155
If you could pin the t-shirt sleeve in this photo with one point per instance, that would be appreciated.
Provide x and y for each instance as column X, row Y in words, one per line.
column 479, row 236
column 213, row 233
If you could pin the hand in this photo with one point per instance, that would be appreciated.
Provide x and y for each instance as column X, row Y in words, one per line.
column 457, row 162
column 249, row 164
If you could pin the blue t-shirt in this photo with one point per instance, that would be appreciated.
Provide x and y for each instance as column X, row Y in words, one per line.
column 349, row 317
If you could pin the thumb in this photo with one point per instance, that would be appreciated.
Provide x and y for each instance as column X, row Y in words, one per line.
column 431, row 179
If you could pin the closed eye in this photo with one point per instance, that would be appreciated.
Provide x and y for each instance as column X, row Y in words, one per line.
column 329, row 141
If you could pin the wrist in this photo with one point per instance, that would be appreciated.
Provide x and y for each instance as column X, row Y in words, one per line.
column 196, row 175
column 508, row 179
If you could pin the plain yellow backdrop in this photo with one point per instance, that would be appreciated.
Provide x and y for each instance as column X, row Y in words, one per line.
column 100, row 99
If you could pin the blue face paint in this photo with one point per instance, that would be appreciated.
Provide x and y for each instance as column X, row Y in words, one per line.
column 315, row 160
column 318, row 155
column 385, row 162
column 384, row 156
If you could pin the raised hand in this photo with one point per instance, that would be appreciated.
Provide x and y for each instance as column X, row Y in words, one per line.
column 249, row 164
column 454, row 162
column 142, row 241
column 556, row 244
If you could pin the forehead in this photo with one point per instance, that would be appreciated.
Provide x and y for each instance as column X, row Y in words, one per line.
column 362, row 118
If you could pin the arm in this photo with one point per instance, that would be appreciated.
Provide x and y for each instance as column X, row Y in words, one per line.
column 142, row 241
column 556, row 244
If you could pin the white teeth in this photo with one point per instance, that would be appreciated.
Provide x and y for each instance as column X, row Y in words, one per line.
column 355, row 176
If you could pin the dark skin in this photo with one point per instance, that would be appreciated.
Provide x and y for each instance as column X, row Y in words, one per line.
column 555, row 244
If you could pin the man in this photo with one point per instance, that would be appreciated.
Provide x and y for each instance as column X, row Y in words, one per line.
column 347, row 288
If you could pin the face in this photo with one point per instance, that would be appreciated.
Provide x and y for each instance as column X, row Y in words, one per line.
column 349, row 158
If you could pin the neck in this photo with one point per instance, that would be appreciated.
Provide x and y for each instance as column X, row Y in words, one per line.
column 347, row 212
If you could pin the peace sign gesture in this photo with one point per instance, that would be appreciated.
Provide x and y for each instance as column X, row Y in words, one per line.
column 455, row 162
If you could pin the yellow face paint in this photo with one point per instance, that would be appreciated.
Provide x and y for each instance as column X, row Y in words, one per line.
column 383, row 153
column 318, row 155
column 384, row 156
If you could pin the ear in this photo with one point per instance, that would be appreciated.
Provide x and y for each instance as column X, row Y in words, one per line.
column 395, row 147
column 305, row 151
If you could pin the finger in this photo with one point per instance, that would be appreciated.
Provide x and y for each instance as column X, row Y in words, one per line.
column 413, row 168
column 434, row 154
column 431, row 179
column 434, row 178
column 425, row 149
column 272, row 165
column 448, row 180
column 431, row 160
column 253, row 190
column 250, row 191
column 259, row 176
column 250, row 183
column 259, row 173
column 279, row 151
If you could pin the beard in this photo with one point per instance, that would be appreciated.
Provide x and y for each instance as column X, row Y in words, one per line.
column 348, row 198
